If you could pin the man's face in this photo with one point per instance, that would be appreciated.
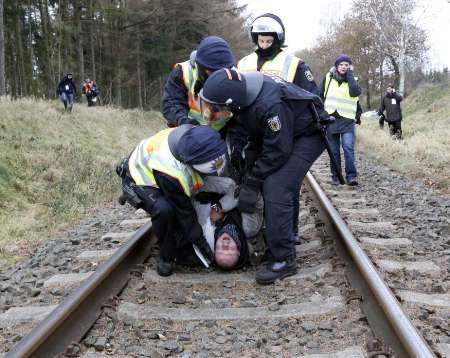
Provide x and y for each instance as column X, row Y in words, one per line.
column 343, row 67
column 264, row 41
column 226, row 252
column 389, row 89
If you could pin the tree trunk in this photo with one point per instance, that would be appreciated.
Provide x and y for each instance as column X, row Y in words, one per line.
column 401, row 61
column 20, row 56
column 2, row 54
column 78, row 16
column 92, row 40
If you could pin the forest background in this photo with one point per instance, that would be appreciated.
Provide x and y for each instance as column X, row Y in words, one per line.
column 129, row 46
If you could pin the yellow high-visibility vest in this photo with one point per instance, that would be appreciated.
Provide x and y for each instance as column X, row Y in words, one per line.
column 283, row 65
column 154, row 154
column 338, row 98
column 190, row 76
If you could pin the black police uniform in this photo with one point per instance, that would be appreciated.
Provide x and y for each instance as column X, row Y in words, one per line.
column 285, row 141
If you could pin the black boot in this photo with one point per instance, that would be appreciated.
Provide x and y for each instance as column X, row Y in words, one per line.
column 276, row 270
column 165, row 268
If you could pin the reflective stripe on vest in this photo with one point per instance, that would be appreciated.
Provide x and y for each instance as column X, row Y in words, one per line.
column 190, row 76
column 154, row 154
column 283, row 65
column 338, row 98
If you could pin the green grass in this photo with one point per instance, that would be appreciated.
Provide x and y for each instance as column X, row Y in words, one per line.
column 56, row 167
column 424, row 153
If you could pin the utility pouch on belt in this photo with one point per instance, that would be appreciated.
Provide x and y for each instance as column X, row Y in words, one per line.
column 128, row 186
column 129, row 194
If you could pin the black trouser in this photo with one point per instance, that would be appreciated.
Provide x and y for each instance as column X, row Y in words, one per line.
column 395, row 129
column 163, row 220
column 279, row 191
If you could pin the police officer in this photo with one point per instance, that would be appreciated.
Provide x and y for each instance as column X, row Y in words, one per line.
column 180, row 98
column 164, row 172
column 268, row 34
column 280, row 126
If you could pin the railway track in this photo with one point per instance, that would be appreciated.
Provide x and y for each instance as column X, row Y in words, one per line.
column 336, row 304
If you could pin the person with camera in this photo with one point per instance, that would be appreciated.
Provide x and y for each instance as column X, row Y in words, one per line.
column 391, row 104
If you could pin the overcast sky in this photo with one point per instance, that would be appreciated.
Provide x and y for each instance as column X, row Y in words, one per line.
column 306, row 20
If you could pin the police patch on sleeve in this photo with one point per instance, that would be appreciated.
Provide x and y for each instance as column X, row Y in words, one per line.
column 274, row 124
column 309, row 75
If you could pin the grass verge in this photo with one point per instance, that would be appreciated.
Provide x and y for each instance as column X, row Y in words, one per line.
column 425, row 151
column 56, row 167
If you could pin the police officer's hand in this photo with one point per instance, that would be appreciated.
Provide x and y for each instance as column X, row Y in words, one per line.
column 204, row 248
column 248, row 194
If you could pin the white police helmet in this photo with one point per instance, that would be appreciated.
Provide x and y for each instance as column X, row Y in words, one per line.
column 267, row 24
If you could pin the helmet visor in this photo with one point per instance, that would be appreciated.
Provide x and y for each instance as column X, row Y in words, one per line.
column 266, row 25
column 214, row 113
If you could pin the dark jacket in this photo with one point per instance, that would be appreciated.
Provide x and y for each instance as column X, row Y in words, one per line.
column 174, row 104
column 66, row 85
column 342, row 124
column 391, row 104
column 279, row 114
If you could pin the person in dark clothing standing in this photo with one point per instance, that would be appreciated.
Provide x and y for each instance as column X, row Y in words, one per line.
column 340, row 92
column 280, row 128
column 66, row 91
column 268, row 34
column 391, row 104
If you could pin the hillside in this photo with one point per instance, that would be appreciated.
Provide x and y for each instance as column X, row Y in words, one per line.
column 425, row 151
column 55, row 167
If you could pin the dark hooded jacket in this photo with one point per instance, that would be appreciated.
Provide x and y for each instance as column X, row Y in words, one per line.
column 66, row 85
column 391, row 104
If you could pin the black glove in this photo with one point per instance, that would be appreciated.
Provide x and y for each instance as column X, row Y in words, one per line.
column 358, row 121
column 204, row 248
column 248, row 195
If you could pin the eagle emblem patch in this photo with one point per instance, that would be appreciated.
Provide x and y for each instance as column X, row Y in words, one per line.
column 274, row 124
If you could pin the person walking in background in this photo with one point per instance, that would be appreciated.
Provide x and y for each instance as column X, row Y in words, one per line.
column 340, row 92
column 66, row 91
column 391, row 104
column 268, row 34
column 91, row 91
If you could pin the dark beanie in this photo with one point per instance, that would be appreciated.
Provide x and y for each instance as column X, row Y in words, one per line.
column 342, row 58
column 197, row 145
column 214, row 53
column 231, row 230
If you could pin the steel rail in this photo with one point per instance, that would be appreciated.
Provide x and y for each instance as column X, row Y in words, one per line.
column 71, row 319
column 407, row 341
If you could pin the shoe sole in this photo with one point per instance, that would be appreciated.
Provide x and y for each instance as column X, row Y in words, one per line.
column 286, row 274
